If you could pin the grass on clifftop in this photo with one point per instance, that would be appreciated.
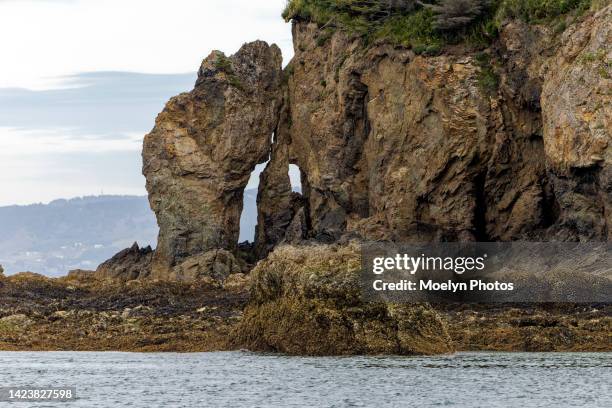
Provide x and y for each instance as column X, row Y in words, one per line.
column 429, row 24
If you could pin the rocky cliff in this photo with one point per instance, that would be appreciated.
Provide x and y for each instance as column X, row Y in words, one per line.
column 390, row 144
column 577, row 126
column 508, row 141
column 393, row 145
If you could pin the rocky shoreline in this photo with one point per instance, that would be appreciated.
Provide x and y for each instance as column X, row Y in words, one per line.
column 43, row 314
column 82, row 313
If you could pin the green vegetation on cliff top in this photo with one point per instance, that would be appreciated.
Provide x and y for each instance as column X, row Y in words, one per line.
column 429, row 24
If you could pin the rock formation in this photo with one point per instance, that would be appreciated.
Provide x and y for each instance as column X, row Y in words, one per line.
column 396, row 146
column 390, row 144
column 508, row 142
column 577, row 119
column 131, row 263
column 306, row 300
column 505, row 143
column 205, row 144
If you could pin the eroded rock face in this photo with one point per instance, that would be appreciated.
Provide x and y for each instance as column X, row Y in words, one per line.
column 390, row 145
column 397, row 146
column 403, row 147
column 205, row 144
column 279, row 210
column 577, row 113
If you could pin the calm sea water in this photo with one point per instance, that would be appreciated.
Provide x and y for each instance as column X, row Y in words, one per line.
column 237, row 379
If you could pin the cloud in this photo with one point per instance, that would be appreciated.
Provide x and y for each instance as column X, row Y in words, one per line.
column 160, row 36
column 98, row 103
column 81, row 139
column 46, row 142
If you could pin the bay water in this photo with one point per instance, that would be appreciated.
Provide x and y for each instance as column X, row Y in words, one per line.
column 243, row 379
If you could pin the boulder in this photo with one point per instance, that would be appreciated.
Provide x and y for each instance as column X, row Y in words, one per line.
column 216, row 264
column 306, row 300
column 129, row 264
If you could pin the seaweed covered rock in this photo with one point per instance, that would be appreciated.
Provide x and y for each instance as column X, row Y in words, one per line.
column 216, row 264
column 306, row 300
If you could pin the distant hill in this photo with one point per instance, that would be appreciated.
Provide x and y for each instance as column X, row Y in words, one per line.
column 81, row 233
column 68, row 234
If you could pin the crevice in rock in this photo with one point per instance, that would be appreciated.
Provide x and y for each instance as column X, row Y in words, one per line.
column 280, row 214
column 550, row 205
column 356, row 130
column 480, row 209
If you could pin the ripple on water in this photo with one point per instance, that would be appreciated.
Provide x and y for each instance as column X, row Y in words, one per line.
column 245, row 379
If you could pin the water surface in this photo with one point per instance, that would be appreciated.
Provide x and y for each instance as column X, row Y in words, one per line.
column 237, row 379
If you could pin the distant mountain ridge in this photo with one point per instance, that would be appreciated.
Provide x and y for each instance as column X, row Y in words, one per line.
column 69, row 234
column 81, row 233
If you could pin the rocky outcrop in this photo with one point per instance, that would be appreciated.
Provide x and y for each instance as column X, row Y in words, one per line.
column 509, row 143
column 392, row 145
column 129, row 264
column 205, row 144
column 306, row 300
column 502, row 144
column 577, row 117
column 461, row 146
column 136, row 263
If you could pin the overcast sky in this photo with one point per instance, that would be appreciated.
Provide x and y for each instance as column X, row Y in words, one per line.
column 81, row 82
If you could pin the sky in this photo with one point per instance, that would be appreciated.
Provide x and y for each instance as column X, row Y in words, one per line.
column 81, row 82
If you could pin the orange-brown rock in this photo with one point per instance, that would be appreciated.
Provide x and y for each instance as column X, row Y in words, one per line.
column 205, row 144
column 577, row 118
column 404, row 147
column 396, row 146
